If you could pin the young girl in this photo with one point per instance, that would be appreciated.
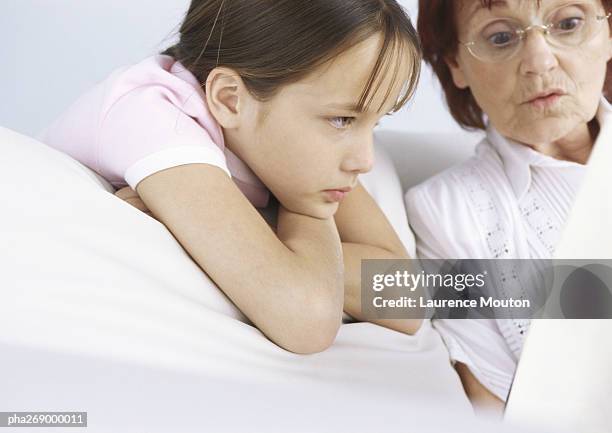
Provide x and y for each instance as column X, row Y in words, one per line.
column 261, row 99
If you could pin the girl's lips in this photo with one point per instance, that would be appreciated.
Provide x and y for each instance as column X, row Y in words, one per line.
column 335, row 195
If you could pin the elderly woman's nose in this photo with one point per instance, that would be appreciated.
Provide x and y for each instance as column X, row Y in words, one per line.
column 537, row 56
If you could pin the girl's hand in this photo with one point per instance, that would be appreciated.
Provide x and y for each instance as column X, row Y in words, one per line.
column 289, row 284
column 367, row 234
column 130, row 196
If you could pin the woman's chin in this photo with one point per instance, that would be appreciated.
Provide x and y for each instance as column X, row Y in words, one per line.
column 541, row 131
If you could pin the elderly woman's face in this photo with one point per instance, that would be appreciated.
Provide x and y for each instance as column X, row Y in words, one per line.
column 545, row 91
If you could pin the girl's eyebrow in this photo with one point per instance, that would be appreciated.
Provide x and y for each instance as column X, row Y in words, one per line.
column 347, row 106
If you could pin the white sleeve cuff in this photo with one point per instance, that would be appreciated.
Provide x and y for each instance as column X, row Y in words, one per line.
column 174, row 157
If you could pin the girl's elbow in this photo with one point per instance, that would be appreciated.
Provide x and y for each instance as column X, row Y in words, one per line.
column 311, row 344
column 315, row 332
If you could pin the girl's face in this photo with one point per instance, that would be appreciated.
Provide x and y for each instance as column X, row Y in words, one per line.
column 307, row 144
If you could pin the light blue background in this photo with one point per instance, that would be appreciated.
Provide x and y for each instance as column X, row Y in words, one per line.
column 53, row 50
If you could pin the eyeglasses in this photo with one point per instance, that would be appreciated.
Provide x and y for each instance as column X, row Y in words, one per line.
column 569, row 26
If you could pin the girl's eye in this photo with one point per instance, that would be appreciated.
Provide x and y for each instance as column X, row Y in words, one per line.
column 341, row 122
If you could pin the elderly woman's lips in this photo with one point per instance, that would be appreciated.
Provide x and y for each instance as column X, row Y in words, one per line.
column 546, row 100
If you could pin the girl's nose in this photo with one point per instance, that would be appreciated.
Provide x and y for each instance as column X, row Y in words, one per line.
column 360, row 157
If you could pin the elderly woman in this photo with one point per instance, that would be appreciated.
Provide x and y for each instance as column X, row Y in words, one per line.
column 531, row 74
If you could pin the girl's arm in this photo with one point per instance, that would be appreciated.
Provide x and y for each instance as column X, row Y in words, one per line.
column 366, row 234
column 289, row 284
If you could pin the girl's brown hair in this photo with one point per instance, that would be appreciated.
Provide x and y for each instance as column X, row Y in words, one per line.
column 440, row 41
column 272, row 43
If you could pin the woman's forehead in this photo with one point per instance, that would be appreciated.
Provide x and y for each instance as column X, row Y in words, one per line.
column 471, row 8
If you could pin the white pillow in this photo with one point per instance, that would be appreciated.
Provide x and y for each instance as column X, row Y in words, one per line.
column 384, row 186
column 64, row 232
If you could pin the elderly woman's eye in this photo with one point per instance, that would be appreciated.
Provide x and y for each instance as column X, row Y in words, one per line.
column 341, row 122
column 501, row 39
column 569, row 24
column 499, row 34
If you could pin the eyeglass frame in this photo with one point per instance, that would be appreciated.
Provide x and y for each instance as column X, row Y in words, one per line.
column 522, row 34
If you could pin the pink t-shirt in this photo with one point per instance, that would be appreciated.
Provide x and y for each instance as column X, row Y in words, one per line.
column 146, row 118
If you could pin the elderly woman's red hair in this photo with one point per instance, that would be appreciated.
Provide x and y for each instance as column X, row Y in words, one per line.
column 437, row 29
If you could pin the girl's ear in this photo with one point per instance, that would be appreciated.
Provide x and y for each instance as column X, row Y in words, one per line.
column 457, row 73
column 224, row 90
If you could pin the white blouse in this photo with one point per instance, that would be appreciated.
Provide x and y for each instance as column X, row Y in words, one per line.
column 509, row 202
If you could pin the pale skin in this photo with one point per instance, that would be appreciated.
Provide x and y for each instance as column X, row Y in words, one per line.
column 290, row 281
column 566, row 130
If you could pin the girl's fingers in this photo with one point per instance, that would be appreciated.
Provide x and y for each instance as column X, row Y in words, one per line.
column 126, row 193
column 130, row 196
column 138, row 204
